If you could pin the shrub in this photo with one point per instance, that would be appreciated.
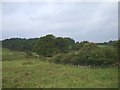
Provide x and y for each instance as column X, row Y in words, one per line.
column 89, row 55
column 99, row 56
column 57, row 58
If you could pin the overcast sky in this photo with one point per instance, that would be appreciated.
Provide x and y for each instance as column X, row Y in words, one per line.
column 96, row 22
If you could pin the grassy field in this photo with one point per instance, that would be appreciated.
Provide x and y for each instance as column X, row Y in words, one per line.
column 8, row 55
column 20, row 72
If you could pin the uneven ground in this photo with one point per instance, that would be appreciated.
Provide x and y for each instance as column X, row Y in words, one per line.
column 19, row 71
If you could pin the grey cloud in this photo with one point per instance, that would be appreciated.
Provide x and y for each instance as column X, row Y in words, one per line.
column 82, row 21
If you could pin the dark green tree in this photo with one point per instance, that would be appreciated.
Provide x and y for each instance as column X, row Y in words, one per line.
column 50, row 45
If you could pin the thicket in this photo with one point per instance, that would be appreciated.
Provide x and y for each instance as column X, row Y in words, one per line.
column 89, row 54
column 50, row 45
column 20, row 44
column 65, row 50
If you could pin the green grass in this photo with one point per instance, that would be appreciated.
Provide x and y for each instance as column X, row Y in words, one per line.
column 33, row 73
column 8, row 55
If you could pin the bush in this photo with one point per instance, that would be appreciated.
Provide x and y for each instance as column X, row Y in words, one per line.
column 89, row 55
column 57, row 58
column 99, row 56
column 63, row 58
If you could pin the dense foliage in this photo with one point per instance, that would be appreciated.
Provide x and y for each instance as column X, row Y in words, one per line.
column 66, row 51
column 50, row 45
column 19, row 44
column 90, row 54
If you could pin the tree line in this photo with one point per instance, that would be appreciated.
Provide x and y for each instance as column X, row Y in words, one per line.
column 65, row 50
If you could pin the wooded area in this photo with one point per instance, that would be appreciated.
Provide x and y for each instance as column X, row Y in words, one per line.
column 65, row 50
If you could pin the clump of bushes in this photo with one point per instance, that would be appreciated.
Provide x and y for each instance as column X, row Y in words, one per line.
column 90, row 54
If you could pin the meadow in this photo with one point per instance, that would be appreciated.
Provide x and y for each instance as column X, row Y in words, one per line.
column 21, row 72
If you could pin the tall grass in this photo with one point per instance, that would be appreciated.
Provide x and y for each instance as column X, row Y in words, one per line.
column 37, row 74
column 32, row 73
